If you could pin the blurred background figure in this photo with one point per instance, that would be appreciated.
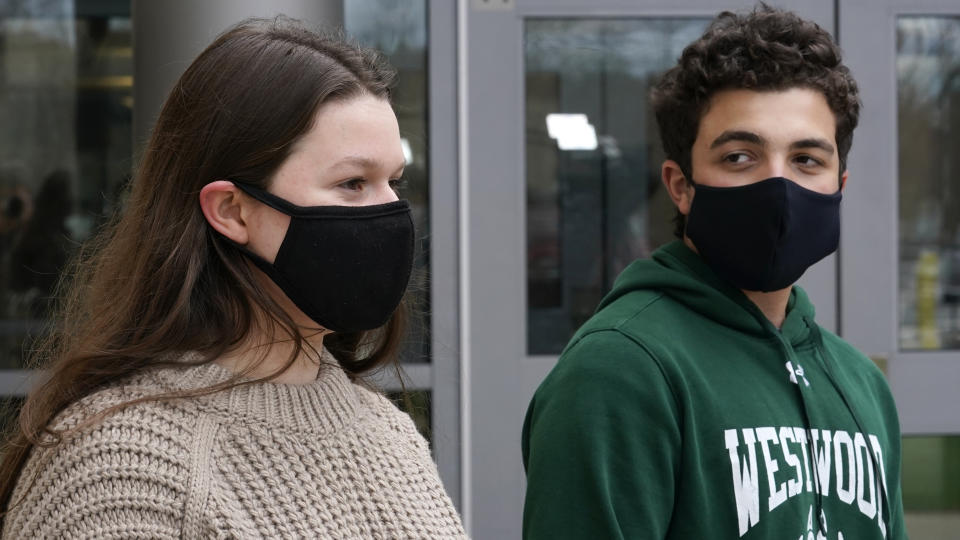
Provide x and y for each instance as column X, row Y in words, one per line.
column 42, row 249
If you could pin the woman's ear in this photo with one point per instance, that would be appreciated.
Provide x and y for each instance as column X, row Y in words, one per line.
column 222, row 205
column 677, row 186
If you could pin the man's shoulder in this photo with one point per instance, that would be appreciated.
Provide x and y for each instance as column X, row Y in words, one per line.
column 848, row 355
column 602, row 362
column 603, row 370
column 633, row 312
column 644, row 320
column 863, row 372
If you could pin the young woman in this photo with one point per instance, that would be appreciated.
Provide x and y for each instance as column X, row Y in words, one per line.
column 203, row 380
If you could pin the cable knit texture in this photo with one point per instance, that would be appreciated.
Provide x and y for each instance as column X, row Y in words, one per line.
column 329, row 459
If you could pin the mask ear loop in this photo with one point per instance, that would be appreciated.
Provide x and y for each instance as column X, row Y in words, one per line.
column 267, row 198
column 691, row 183
column 688, row 177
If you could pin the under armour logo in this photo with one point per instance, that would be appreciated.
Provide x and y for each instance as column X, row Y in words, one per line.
column 796, row 372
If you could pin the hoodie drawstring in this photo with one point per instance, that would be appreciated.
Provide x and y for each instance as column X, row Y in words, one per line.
column 824, row 355
column 808, row 427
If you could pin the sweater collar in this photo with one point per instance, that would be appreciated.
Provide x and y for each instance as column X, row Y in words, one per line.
column 325, row 405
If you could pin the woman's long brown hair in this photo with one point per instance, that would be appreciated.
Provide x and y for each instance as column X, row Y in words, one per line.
column 158, row 281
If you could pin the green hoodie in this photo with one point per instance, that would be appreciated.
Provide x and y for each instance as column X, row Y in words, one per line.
column 679, row 411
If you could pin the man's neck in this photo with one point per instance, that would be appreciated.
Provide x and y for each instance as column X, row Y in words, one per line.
column 773, row 304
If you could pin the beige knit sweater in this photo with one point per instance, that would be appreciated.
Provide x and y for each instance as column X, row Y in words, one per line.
column 325, row 460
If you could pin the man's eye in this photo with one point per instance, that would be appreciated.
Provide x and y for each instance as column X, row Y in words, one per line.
column 736, row 158
column 808, row 161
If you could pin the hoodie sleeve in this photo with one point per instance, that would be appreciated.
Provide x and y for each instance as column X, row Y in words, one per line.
column 601, row 444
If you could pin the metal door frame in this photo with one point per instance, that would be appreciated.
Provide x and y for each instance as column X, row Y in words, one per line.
column 924, row 384
column 498, row 377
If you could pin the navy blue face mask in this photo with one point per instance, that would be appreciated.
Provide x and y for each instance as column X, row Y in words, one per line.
column 763, row 236
column 345, row 267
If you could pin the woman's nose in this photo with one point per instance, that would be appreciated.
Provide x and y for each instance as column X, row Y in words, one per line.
column 385, row 194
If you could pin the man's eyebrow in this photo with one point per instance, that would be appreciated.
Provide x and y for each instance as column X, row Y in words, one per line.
column 822, row 144
column 743, row 136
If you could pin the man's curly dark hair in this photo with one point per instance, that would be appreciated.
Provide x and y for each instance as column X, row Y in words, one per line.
column 766, row 49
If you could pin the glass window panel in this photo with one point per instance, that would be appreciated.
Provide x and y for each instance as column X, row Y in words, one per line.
column 66, row 97
column 928, row 115
column 399, row 30
column 931, row 486
column 594, row 197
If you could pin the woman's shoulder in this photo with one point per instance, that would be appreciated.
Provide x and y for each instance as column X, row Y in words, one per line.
column 127, row 423
column 120, row 463
column 384, row 418
column 133, row 403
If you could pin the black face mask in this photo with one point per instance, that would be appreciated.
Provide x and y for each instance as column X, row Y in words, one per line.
column 763, row 236
column 345, row 267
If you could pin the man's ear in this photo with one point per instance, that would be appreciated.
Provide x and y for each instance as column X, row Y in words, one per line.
column 680, row 191
column 222, row 205
column 843, row 180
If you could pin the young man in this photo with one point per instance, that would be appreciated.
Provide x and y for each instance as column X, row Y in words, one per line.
column 703, row 400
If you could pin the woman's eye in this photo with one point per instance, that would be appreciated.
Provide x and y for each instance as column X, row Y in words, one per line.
column 355, row 184
column 398, row 184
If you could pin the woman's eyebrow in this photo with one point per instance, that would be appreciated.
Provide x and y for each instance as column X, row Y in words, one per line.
column 365, row 162
column 360, row 161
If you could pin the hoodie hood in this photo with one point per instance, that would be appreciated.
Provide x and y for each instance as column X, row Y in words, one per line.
column 678, row 272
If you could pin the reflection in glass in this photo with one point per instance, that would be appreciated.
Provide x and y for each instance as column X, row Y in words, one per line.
column 65, row 97
column 928, row 113
column 399, row 30
column 9, row 411
column 594, row 197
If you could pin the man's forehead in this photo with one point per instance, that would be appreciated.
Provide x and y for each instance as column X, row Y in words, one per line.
column 759, row 116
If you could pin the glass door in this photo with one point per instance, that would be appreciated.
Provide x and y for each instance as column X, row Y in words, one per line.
column 594, row 199
column 66, row 98
column 560, row 190
column 900, row 278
